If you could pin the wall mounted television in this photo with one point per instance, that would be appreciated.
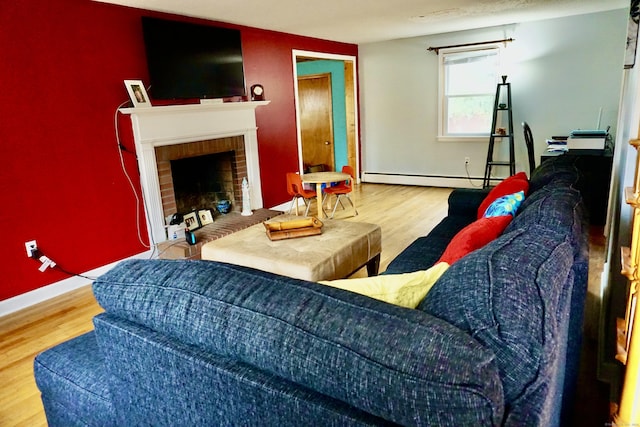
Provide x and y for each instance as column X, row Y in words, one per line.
column 187, row 61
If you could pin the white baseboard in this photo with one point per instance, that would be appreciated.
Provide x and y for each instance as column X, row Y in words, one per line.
column 284, row 207
column 58, row 288
column 422, row 180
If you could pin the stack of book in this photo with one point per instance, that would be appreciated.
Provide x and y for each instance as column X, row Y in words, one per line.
column 557, row 144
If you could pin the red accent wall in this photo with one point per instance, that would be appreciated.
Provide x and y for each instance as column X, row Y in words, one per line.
column 63, row 66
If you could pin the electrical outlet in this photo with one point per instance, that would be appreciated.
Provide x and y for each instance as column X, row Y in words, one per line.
column 31, row 246
column 467, row 160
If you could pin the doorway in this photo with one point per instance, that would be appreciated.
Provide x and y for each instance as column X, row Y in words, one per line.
column 342, row 104
column 316, row 121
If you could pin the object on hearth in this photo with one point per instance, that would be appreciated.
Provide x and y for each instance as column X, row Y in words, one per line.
column 223, row 206
column 293, row 229
column 176, row 231
column 205, row 216
column 246, row 199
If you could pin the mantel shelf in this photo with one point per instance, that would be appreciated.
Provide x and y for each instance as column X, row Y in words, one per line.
column 207, row 106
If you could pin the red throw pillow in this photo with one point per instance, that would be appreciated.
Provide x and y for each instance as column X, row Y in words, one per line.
column 513, row 184
column 474, row 236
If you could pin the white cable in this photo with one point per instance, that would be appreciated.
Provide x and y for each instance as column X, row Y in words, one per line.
column 126, row 174
column 466, row 168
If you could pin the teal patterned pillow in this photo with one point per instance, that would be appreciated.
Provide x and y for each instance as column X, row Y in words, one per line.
column 505, row 205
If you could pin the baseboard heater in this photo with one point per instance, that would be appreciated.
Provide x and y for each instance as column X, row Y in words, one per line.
column 422, row 180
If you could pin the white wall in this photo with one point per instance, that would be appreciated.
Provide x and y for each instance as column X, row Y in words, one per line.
column 563, row 71
column 613, row 286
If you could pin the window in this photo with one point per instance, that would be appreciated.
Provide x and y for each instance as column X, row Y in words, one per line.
column 468, row 81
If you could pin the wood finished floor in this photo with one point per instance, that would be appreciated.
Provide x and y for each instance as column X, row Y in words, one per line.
column 403, row 213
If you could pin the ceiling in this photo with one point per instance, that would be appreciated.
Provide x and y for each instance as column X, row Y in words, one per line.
column 363, row 21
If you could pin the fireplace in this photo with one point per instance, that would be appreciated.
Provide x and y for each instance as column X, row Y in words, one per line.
column 198, row 127
column 196, row 175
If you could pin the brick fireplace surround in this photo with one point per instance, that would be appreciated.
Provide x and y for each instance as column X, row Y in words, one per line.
column 165, row 154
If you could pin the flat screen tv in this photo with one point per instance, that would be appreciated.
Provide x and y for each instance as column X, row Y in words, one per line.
column 188, row 60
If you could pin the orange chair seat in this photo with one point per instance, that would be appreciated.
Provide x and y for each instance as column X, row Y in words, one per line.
column 337, row 189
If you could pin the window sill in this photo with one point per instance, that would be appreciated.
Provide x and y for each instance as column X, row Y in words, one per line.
column 441, row 138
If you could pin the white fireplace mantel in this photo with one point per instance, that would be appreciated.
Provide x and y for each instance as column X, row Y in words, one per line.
column 179, row 124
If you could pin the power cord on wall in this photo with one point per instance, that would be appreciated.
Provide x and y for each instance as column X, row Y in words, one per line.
column 466, row 168
column 121, row 149
column 47, row 262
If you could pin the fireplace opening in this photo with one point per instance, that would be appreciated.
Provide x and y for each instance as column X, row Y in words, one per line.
column 207, row 171
column 200, row 182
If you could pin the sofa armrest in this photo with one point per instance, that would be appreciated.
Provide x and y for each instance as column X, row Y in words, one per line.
column 465, row 201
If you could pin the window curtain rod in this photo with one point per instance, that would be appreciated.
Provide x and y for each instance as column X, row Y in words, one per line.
column 437, row 48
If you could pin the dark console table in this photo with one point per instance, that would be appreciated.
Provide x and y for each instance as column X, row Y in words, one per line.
column 595, row 177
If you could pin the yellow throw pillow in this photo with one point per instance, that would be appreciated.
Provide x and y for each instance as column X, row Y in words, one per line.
column 405, row 290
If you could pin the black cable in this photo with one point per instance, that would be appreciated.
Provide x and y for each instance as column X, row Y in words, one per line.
column 69, row 273
column 37, row 254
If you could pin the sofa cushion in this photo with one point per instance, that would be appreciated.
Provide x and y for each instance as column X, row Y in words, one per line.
column 405, row 289
column 558, row 209
column 474, row 236
column 159, row 381
column 510, row 185
column 505, row 205
column 560, row 169
column 401, row 365
column 73, row 381
column 511, row 296
column 465, row 201
column 425, row 251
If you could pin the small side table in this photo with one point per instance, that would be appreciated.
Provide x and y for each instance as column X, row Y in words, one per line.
column 319, row 178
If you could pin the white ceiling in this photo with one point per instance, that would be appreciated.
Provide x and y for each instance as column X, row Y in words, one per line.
column 363, row 21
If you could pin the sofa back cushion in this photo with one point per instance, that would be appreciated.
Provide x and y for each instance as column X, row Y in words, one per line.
column 512, row 296
column 401, row 365
column 560, row 169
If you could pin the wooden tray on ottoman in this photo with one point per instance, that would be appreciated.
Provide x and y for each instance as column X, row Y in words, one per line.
column 280, row 230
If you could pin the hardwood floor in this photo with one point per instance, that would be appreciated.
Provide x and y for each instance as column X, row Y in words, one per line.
column 25, row 334
column 403, row 212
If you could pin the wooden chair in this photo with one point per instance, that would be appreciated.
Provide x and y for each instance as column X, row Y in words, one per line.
column 296, row 190
column 343, row 189
column 528, row 140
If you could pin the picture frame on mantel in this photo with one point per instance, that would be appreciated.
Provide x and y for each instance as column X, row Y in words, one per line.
column 137, row 93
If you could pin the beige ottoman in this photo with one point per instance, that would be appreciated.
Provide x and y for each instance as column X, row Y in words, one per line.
column 342, row 248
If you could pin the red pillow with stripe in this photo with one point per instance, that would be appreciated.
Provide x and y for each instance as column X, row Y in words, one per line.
column 474, row 236
column 513, row 184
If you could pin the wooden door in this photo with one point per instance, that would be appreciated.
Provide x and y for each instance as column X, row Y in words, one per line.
column 316, row 120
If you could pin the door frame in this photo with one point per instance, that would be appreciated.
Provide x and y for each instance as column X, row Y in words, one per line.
column 321, row 55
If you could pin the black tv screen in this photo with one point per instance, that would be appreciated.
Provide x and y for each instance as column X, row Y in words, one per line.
column 192, row 61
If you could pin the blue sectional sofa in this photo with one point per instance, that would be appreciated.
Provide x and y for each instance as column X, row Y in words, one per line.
column 495, row 342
